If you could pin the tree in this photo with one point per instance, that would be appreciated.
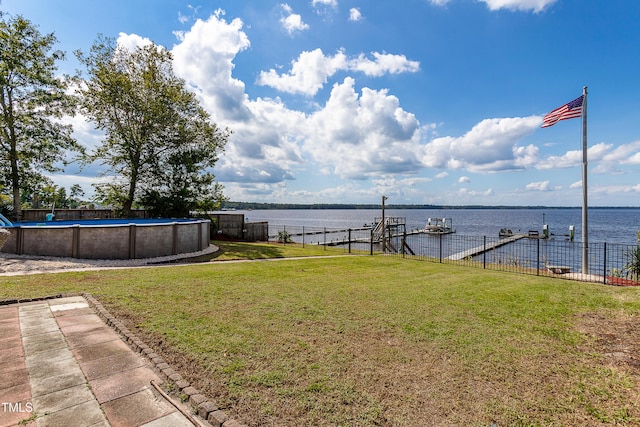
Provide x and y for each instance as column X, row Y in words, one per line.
column 75, row 198
column 633, row 260
column 32, row 100
column 159, row 141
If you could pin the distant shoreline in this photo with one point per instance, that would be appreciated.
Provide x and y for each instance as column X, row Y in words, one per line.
column 230, row 206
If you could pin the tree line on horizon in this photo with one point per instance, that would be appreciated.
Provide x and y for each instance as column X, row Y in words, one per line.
column 311, row 206
column 159, row 143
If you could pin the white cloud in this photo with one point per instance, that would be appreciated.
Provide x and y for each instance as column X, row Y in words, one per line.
column 332, row 3
column 538, row 186
column 535, row 6
column 324, row 6
column 523, row 5
column 261, row 148
column 465, row 192
column 624, row 155
column 489, row 146
column 312, row 69
column 308, row 73
column 355, row 14
column 132, row 41
column 384, row 63
column 292, row 22
column 204, row 58
column 574, row 157
column 361, row 136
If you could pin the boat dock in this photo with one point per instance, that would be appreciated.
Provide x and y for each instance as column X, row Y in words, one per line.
column 486, row 247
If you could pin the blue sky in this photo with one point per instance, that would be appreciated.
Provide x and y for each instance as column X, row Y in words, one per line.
column 425, row 101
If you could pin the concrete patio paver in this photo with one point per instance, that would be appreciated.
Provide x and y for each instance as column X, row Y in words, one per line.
column 62, row 365
column 15, row 391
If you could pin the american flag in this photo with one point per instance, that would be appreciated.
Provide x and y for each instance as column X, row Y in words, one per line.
column 571, row 110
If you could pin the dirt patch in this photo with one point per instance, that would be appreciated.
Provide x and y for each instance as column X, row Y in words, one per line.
column 616, row 336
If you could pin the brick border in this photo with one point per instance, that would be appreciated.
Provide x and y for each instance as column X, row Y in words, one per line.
column 203, row 407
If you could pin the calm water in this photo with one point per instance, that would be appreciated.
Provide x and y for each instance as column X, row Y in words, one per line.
column 605, row 225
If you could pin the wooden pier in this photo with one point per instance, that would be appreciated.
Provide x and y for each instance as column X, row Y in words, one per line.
column 485, row 247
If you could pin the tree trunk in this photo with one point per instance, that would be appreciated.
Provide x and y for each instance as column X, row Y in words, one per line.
column 17, row 206
column 126, row 206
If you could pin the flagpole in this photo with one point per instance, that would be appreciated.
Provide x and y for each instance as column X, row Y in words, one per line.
column 585, row 214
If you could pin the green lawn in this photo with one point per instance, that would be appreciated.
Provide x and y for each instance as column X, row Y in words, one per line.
column 373, row 340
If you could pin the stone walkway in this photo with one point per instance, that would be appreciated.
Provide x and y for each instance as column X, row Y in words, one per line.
column 61, row 365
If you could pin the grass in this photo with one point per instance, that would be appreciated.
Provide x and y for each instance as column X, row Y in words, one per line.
column 240, row 250
column 378, row 340
column 230, row 251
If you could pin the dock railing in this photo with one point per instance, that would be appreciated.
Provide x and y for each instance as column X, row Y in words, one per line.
column 610, row 263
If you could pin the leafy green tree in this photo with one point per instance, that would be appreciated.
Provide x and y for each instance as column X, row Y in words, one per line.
column 6, row 204
column 76, row 195
column 183, row 182
column 32, row 100
column 159, row 142
column 40, row 195
column 633, row 260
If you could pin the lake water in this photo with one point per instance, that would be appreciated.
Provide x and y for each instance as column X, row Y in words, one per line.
column 605, row 224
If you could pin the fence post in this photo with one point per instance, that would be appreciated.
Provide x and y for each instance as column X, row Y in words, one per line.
column 325, row 237
column 349, row 240
column 604, row 272
column 371, row 242
column 440, row 240
column 404, row 241
column 537, row 257
column 484, row 252
column 303, row 236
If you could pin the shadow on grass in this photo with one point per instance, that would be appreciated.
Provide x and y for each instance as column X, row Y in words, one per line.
column 243, row 250
column 238, row 250
column 230, row 250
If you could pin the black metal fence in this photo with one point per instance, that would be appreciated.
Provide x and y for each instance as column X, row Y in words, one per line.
column 347, row 240
column 609, row 263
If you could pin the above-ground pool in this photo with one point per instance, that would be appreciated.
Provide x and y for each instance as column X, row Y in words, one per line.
column 109, row 238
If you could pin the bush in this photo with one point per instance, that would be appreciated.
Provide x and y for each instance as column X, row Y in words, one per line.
column 284, row 237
